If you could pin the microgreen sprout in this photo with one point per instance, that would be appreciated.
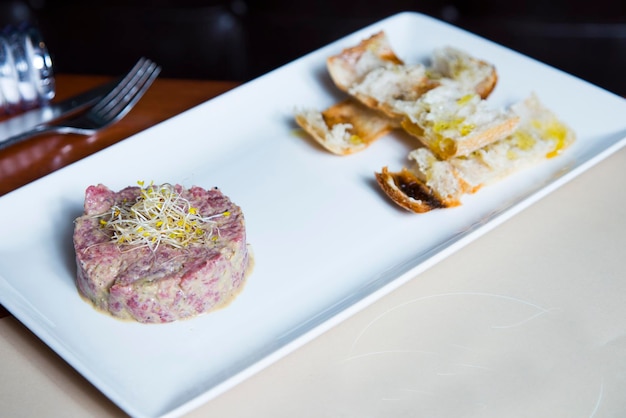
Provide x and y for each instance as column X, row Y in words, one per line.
column 159, row 215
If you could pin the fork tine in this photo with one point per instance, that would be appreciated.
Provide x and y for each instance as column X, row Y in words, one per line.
column 133, row 93
column 129, row 80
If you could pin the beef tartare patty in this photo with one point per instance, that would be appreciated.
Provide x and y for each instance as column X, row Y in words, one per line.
column 160, row 253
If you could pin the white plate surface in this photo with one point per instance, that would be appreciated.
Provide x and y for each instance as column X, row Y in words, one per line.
column 326, row 241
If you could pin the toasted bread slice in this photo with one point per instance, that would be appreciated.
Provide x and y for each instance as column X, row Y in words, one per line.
column 372, row 73
column 470, row 72
column 453, row 121
column 352, row 64
column 346, row 127
column 410, row 192
column 540, row 135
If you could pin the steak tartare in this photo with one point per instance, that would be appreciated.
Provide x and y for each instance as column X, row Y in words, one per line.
column 157, row 254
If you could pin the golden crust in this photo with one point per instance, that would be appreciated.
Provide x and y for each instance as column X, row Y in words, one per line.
column 345, row 68
column 485, row 87
column 446, row 148
column 361, row 127
column 410, row 193
column 455, row 64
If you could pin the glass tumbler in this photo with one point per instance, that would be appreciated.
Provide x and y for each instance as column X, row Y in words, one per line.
column 26, row 78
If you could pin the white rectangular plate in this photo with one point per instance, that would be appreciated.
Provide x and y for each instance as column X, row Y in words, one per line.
column 326, row 240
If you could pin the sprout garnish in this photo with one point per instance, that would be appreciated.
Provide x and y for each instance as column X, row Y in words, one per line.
column 159, row 215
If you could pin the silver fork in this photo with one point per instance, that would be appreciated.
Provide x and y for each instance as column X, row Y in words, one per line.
column 111, row 108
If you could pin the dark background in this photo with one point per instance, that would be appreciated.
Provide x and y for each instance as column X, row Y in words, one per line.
column 242, row 39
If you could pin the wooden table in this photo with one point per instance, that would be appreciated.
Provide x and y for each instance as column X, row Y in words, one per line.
column 570, row 245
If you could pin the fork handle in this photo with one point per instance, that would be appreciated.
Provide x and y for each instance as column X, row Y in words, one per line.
column 36, row 131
